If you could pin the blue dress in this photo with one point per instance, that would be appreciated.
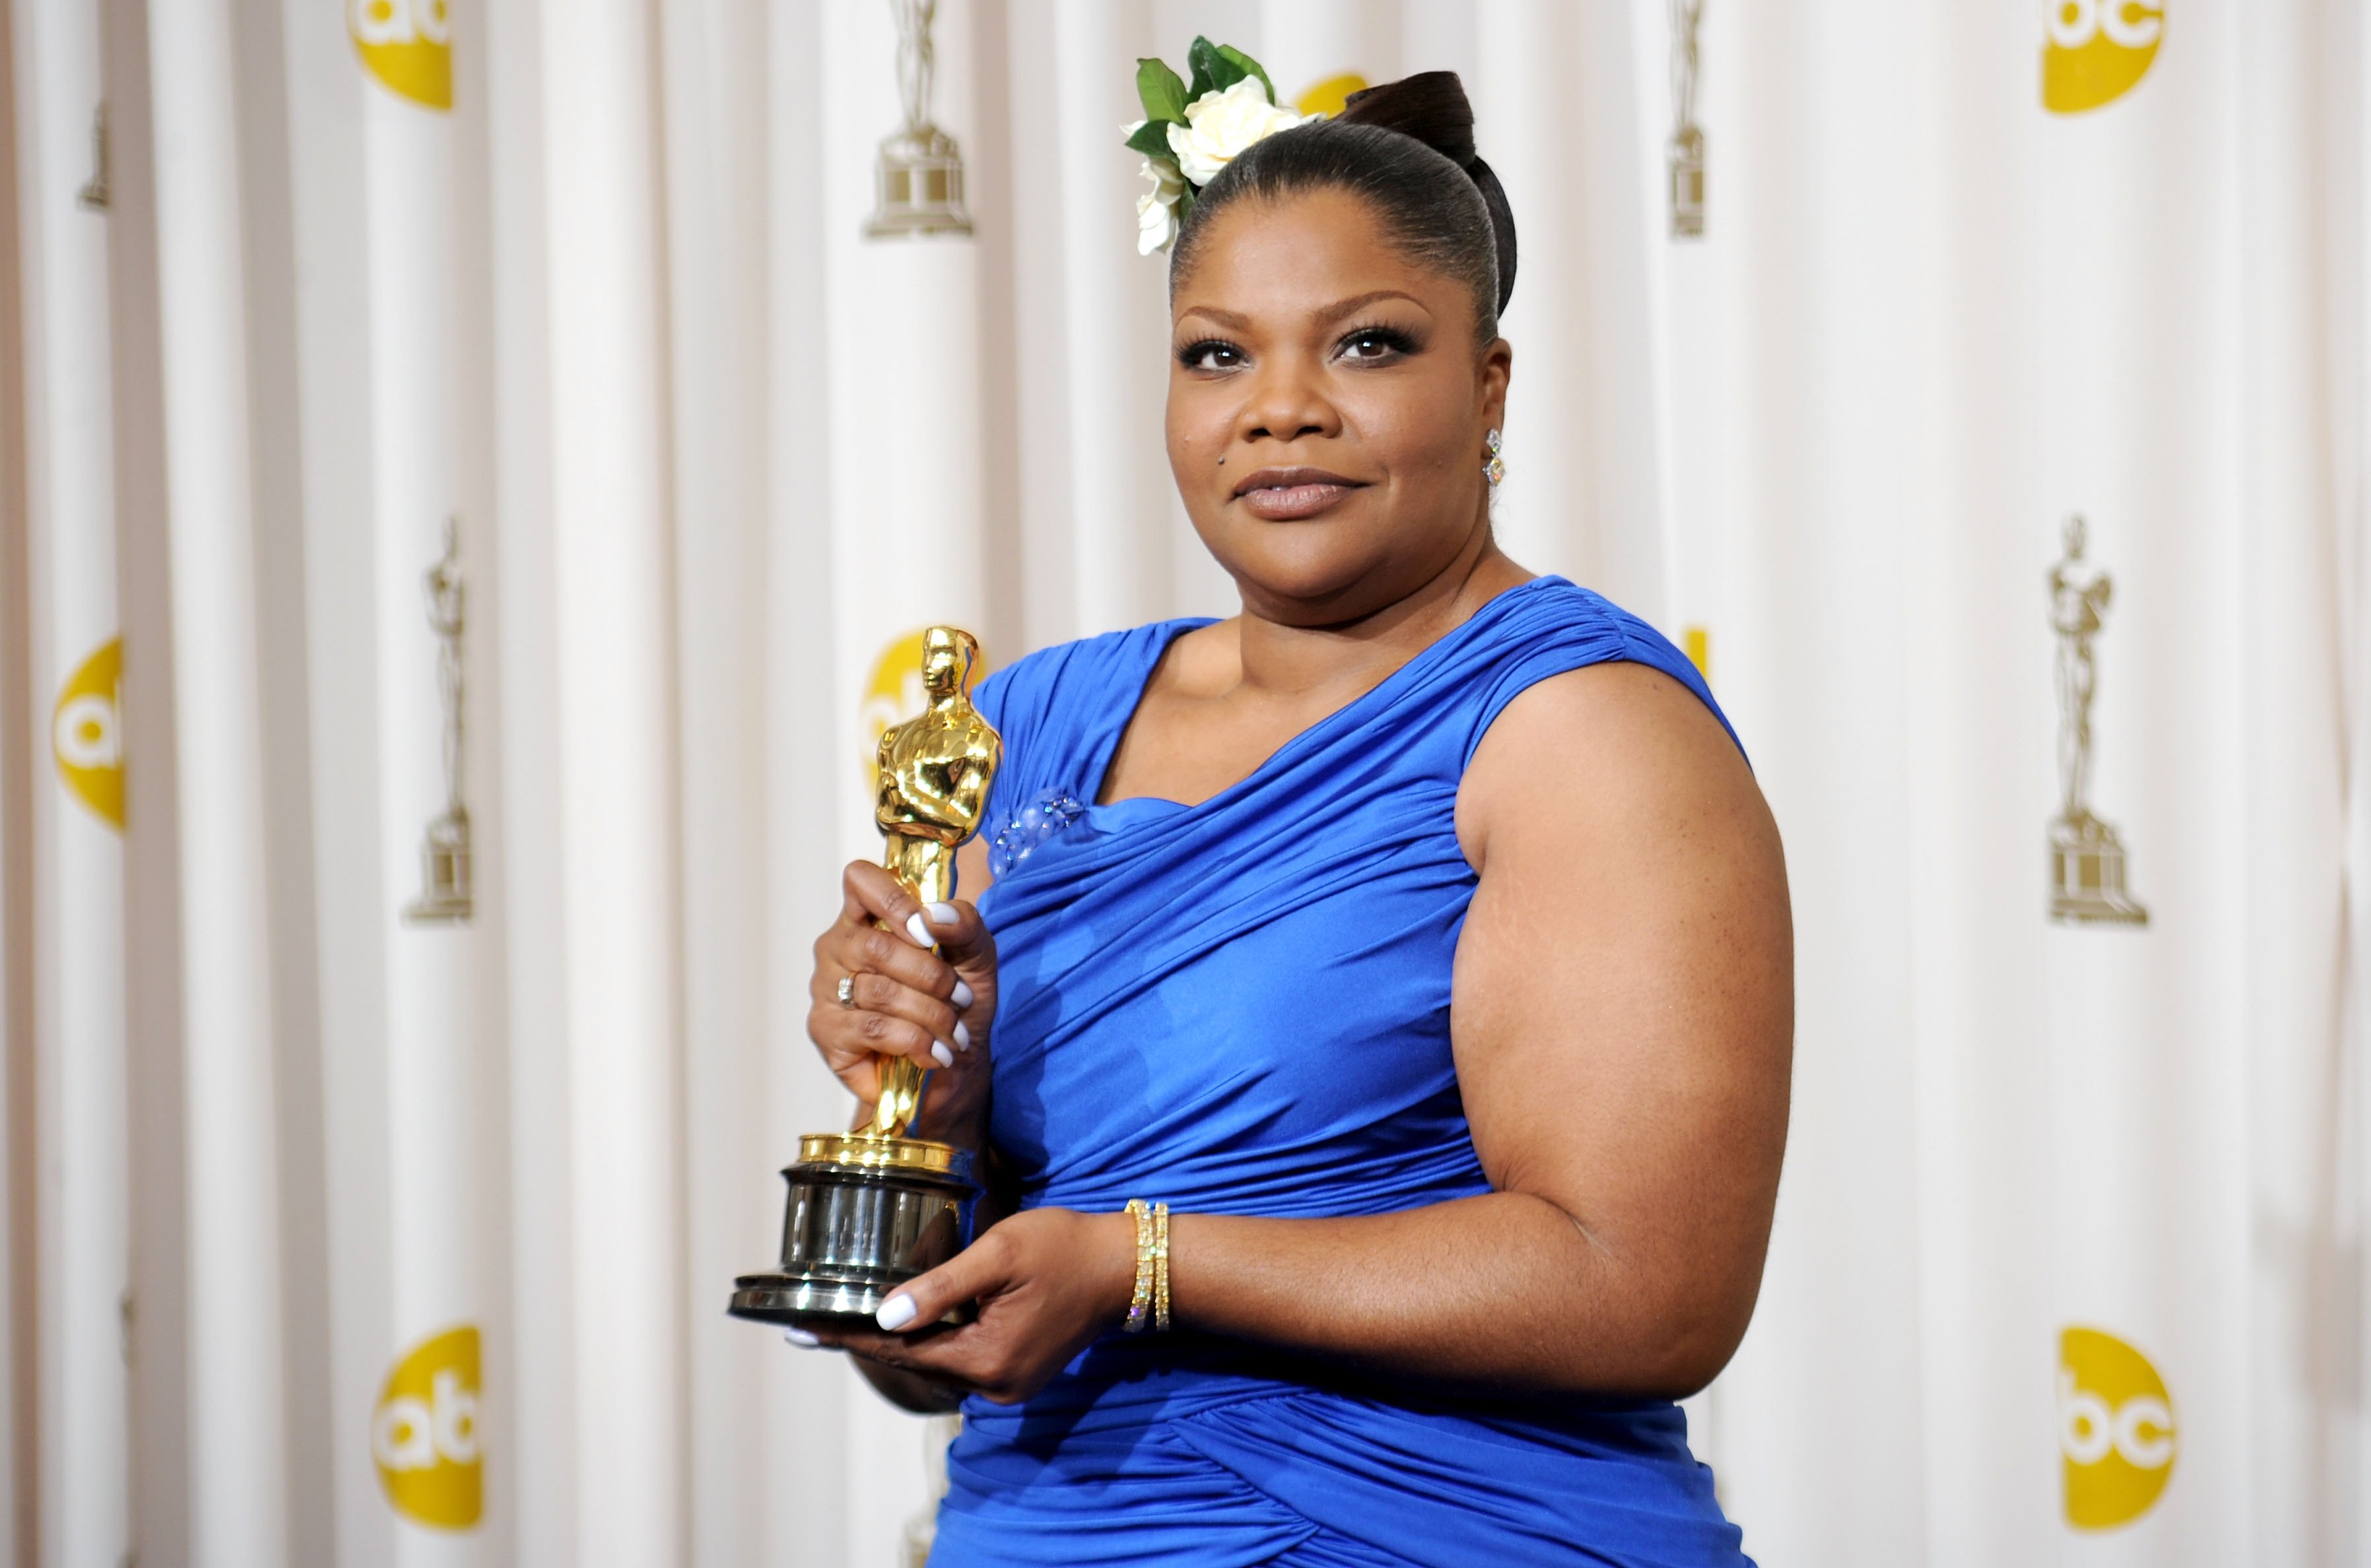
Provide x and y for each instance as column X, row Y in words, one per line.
column 1241, row 1007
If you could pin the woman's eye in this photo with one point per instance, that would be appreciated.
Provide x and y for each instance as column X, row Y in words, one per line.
column 1374, row 343
column 1210, row 355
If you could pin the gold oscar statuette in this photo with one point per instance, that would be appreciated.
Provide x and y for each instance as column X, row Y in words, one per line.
column 869, row 1210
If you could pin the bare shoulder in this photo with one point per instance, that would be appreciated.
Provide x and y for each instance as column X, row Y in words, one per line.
column 1614, row 748
column 1202, row 663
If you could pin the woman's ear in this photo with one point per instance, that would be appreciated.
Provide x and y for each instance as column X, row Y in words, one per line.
column 1498, row 366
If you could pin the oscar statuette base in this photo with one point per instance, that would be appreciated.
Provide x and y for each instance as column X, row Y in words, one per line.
column 865, row 1215
column 445, row 892
column 2087, row 873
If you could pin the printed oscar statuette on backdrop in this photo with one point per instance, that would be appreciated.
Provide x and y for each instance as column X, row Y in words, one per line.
column 869, row 1209
column 1685, row 154
column 918, row 177
column 2086, row 855
column 445, row 875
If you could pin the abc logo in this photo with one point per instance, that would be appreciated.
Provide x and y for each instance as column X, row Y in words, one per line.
column 408, row 44
column 2096, row 50
column 894, row 692
column 2115, row 1429
column 1331, row 95
column 86, row 732
column 424, row 1433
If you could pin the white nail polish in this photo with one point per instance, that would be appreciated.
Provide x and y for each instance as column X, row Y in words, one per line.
column 942, row 914
column 801, row 1338
column 895, row 1314
column 919, row 931
column 963, row 1036
column 940, row 1055
column 963, row 997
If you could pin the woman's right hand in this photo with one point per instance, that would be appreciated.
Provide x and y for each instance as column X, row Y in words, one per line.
column 905, row 999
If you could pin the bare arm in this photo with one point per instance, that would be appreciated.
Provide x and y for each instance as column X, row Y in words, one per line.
column 1624, row 1007
column 1623, row 1023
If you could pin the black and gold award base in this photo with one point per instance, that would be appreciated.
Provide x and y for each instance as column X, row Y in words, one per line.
column 866, row 1213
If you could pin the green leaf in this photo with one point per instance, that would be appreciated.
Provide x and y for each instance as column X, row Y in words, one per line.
column 1158, row 89
column 1152, row 139
column 1246, row 67
column 1213, row 72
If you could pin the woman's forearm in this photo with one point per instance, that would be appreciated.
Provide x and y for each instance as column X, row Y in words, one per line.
column 1503, row 1292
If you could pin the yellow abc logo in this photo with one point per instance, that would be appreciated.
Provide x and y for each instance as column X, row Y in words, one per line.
column 894, row 691
column 424, row 1433
column 408, row 44
column 1331, row 95
column 86, row 732
column 2115, row 1429
column 1696, row 642
column 2095, row 52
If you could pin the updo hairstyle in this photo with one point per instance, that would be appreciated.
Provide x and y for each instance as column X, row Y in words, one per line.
column 1405, row 149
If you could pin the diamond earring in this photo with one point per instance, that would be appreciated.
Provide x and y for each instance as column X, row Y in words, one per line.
column 1494, row 467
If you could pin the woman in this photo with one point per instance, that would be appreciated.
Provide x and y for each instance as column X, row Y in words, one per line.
column 1418, row 935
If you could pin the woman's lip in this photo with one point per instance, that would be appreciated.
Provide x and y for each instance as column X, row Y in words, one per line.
column 1279, row 494
column 1282, row 503
column 1278, row 479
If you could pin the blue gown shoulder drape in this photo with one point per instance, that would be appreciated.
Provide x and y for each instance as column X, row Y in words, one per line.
column 1242, row 1007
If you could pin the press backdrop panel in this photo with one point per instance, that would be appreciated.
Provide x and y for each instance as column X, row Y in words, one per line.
column 556, row 475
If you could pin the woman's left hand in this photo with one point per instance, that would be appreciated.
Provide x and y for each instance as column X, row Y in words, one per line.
column 1048, row 1281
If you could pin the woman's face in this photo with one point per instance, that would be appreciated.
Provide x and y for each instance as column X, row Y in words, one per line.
column 1328, row 410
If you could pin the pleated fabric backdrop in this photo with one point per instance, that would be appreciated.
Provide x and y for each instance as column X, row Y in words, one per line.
column 494, row 442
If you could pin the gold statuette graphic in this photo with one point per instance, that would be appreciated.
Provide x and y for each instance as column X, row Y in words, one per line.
column 444, row 882
column 869, row 1210
column 97, row 191
column 2087, row 858
column 1685, row 153
column 919, row 181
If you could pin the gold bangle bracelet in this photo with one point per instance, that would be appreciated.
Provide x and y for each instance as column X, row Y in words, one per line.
column 1161, row 1267
column 1140, row 1302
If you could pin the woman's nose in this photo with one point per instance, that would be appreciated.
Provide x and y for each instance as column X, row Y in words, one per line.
column 1287, row 404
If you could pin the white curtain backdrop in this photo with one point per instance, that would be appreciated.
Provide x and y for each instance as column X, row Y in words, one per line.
column 79, row 1199
column 339, row 1232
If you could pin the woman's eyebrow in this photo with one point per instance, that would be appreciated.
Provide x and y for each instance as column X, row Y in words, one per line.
column 1226, row 318
column 1341, row 308
column 1325, row 318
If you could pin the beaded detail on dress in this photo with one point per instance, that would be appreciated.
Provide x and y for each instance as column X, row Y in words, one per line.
column 1031, row 825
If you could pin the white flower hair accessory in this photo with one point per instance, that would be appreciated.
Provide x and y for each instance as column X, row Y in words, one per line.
column 1156, row 209
column 1189, row 133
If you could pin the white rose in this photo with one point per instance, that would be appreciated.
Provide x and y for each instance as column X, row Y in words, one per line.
column 1156, row 209
column 1220, row 125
